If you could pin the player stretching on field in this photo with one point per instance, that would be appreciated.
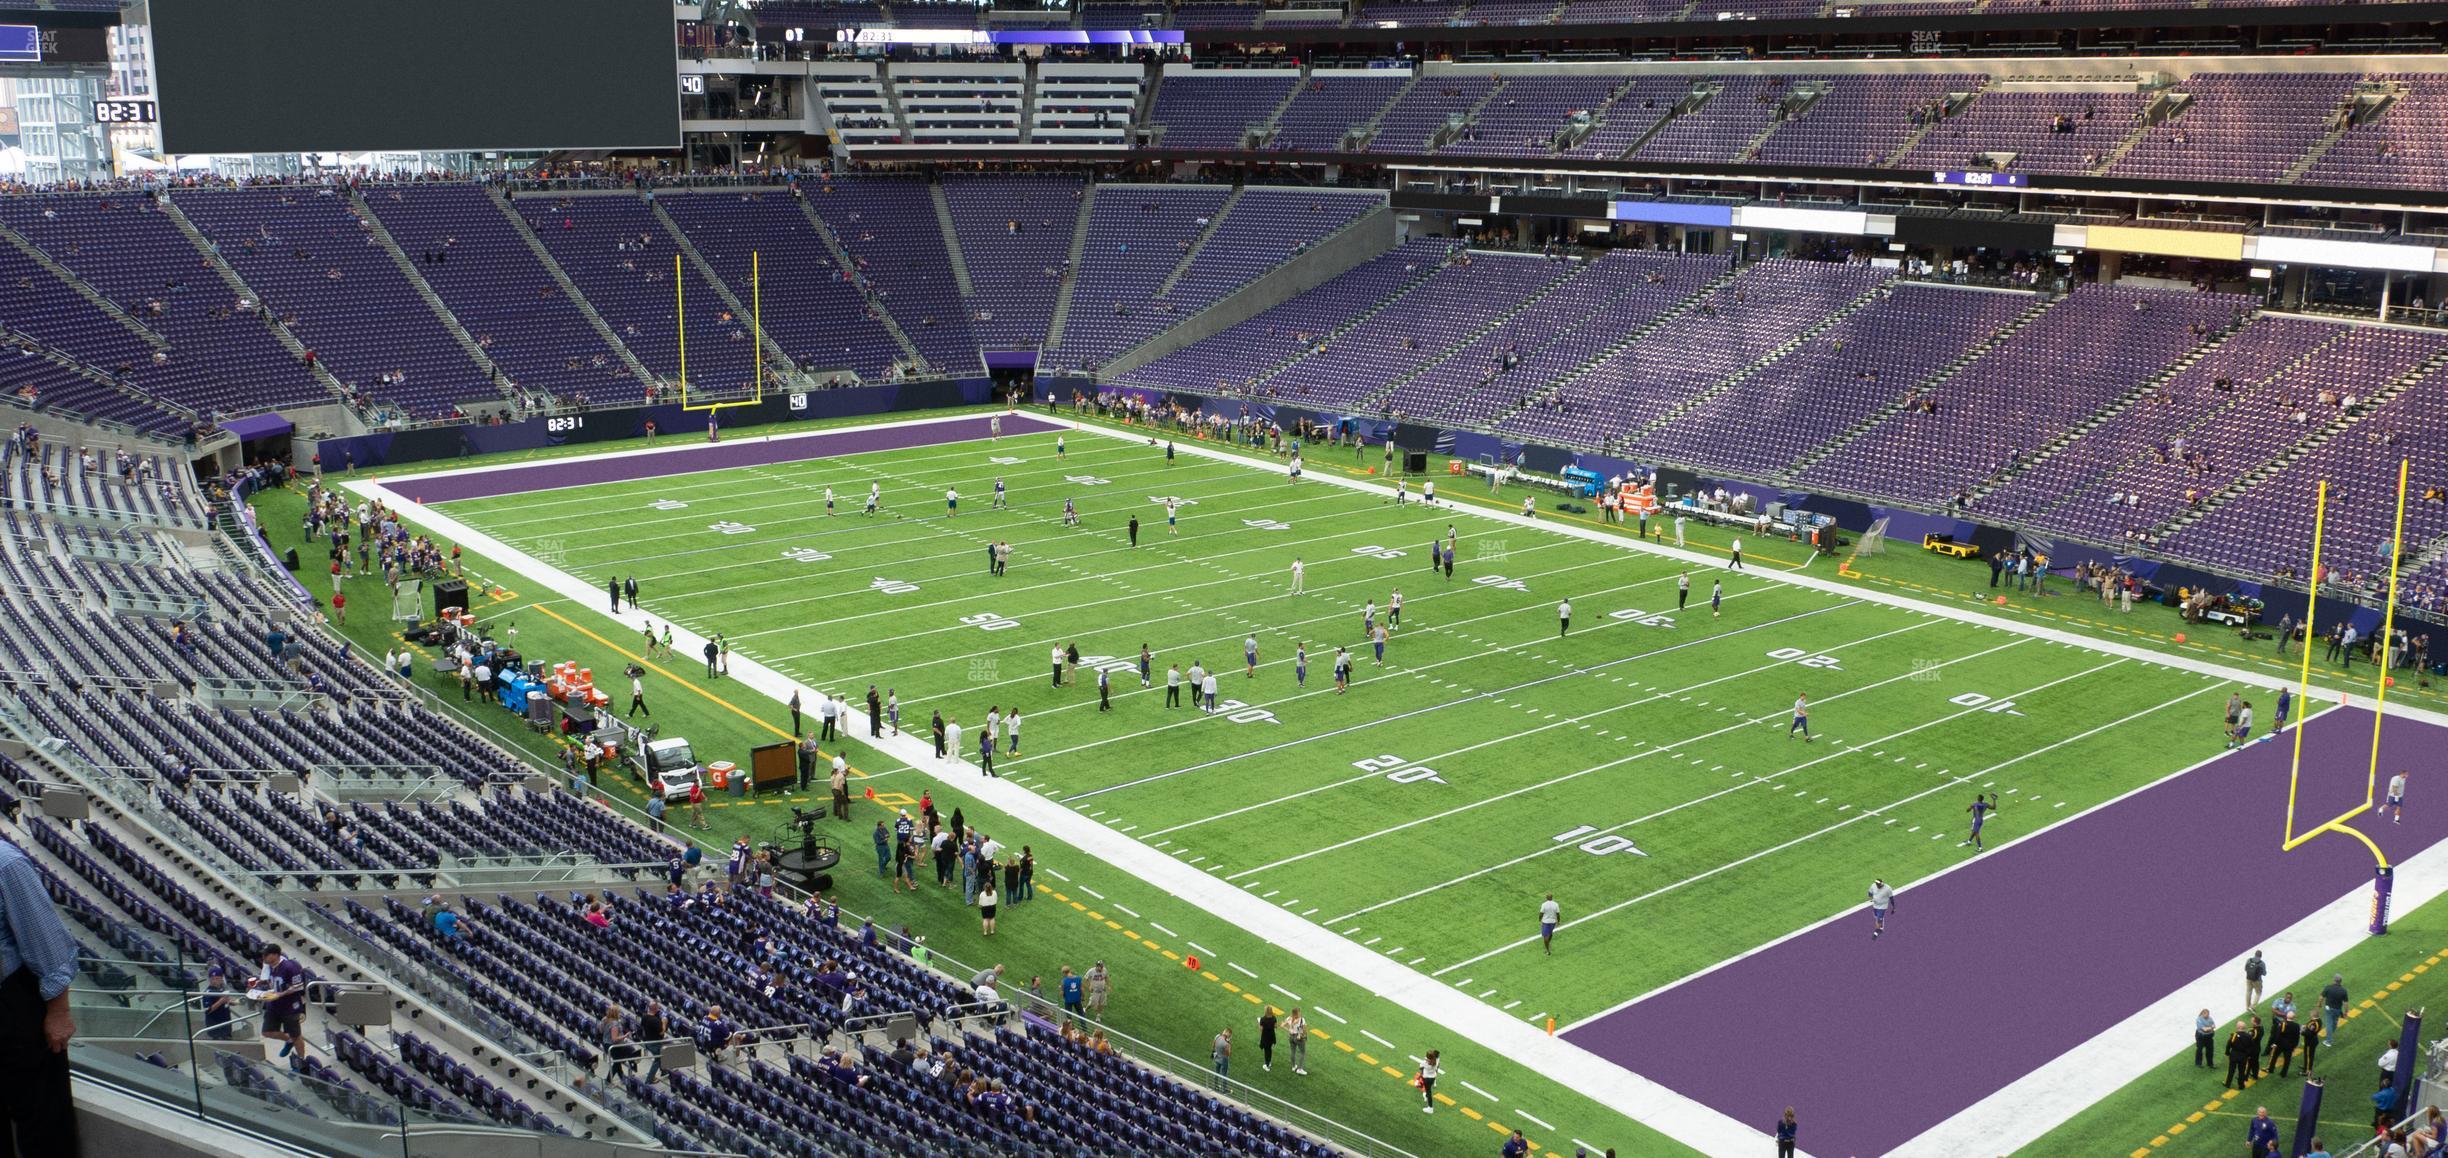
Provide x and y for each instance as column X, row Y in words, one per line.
column 1882, row 902
column 2396, row 797
column 875, row 498
column 1981, row 807
column 1801, row 720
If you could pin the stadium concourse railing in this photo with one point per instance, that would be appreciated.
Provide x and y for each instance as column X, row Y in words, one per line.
column 142, row 1033
column 1017, row 1001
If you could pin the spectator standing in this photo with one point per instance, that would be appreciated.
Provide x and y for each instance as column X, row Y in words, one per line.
column 986, row 898
column 2261, row 1135
column 2333, row 1007
column 1221, row 1053
column 1296, row 1041
column 1429, row 1072
column 281, row 986
column 1266, row 1038
column 1100, row 990
column 2205, row 1037
column 841, row 787
column 1786, row 1131
column 2255, row 970
column 655, row 807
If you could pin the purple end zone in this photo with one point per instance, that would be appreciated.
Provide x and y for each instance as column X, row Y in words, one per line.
column 747, row 450
column 1992, row 970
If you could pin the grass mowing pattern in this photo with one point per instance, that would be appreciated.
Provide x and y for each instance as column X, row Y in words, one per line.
column 1666, row 728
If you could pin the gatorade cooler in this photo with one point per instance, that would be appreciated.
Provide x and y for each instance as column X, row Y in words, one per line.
column 723, row 774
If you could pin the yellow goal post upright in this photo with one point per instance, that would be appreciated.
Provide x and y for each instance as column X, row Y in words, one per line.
column 756, row 344
column 2383, row 874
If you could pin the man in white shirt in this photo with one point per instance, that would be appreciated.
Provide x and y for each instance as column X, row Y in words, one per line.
column 2396, row 797
column 1298, row 571
column 1735, row 562
column 1882, row 901
column 1058, row 662
column 1208, row 686
column 952, row 739
column 1563, row 617
column 1549, row 913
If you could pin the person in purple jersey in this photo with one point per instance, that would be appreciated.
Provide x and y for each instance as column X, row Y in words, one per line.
column 1981, row 807
column 1300, row 665
column 2286, row 704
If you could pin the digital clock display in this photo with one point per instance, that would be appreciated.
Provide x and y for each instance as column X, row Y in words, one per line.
column 125, row 112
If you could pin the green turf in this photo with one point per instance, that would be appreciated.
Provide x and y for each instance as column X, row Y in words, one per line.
column 1545, row 755
column 2170, row 1110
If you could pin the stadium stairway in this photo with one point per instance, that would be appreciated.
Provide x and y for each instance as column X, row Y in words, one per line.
column 1808, row 335
column 2358, row 110
column 1971, row 354
column 1268, row 373
column 229, row 277
column 1953, row 107
column 1274, row 118
column 84, row 289
column 1375, row 402
column 1190, row 255
column 2163, row 106
column 1071, row 264
column 2157, row 382
column 951, row 233
column 2245, row 482
column 1358, row 138
column 1791, row 107
column 433, row 301
column 1617, row 346
column 1454, row 128
column 843, row 262
column 774, row 355
column 569, row 290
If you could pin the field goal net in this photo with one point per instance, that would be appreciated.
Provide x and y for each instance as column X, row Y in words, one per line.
column 1874, row 540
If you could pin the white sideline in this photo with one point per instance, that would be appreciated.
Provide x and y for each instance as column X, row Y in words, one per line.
column 2047, row 1096
column 1567, row 1064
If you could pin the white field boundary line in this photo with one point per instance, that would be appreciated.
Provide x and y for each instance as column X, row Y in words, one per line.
column 811, row 510
column 852, row 522
column 1111, row 575
column 2017, row 1114
column 1466, row 1017
column 1949, row 785
column 680, row 443
column 1564, row 722
column 1863, row 592
column 723, row 480
column 1755, row 780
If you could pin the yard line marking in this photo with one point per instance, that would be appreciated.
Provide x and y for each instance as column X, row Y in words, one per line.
column 1161, row 929
column 1237, row 969
column 1092, row 892
column 1284, row 991
column 1528, row 1116
column 1511, row 736
column 1056, row 875
column 1325, row 1012
column 1480, row 1092
column 1440, row 706
column 1848, row 821
column 1769, row 779
column 1549, row 783
column 1201, row 948
column 1126, row 912
column 1378, row 1040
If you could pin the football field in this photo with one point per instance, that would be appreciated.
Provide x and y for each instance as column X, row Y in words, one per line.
column 1640, row 766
